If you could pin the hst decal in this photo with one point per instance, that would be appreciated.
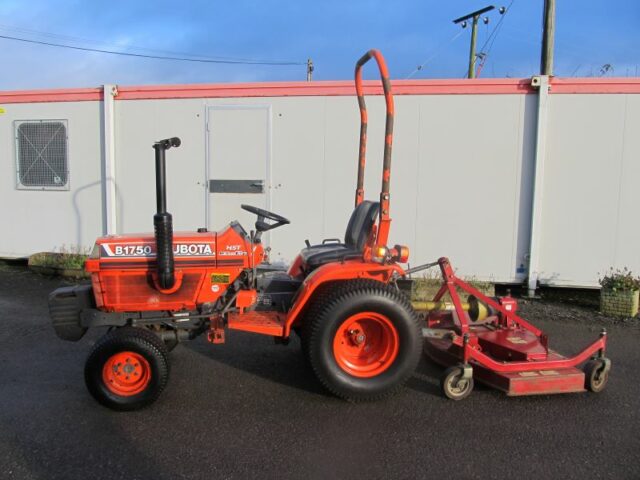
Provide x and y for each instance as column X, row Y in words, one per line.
column 232, row 251
column 237, row 253
column 149, row 250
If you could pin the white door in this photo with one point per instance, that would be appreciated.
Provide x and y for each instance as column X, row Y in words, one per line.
column 238, row 157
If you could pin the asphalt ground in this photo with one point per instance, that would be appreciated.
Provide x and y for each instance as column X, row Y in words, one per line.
column 252, row 409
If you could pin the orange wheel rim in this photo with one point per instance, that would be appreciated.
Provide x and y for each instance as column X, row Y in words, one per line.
column 126, row 373
column 366, row 344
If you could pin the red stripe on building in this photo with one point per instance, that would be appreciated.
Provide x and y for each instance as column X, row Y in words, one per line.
column 59, row 95
column 483, row 86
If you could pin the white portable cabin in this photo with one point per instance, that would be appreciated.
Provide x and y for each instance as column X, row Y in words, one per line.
column 503, row 176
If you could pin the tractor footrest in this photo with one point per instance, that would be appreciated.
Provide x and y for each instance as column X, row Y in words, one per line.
column 266, row 323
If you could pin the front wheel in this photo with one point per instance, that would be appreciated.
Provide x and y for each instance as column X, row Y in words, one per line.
column 127, row 369
column 362, row 340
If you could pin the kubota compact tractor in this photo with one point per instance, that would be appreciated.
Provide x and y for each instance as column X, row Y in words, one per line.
column 359, row 331
column 360, row 334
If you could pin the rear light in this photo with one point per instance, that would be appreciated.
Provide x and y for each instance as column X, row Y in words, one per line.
column 400, row 253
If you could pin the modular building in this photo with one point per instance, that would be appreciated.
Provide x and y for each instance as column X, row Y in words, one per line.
column 513, row 179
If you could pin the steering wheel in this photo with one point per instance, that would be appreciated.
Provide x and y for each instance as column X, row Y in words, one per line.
column 261, row 225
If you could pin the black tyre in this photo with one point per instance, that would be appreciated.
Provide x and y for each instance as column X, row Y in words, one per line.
column 362, row 339
column 127, row 369
column 453, row 386
column 595, row 375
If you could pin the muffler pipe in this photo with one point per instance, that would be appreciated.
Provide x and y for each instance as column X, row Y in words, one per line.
column 162, row 220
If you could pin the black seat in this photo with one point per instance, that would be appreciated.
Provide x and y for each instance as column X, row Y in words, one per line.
column 355, row 238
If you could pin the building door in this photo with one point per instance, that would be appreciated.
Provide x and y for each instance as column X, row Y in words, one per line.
column 238, row 158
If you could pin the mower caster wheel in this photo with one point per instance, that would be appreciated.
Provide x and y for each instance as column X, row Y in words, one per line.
column 596, row 374
column 127, row 369
column 454, row 386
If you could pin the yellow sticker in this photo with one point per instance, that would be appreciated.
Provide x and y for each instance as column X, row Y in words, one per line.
column 220, row 278
column 516, row 340
column 2, row 111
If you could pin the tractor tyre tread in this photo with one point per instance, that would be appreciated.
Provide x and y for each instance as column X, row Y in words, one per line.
column 346, row 291
column 143, row 342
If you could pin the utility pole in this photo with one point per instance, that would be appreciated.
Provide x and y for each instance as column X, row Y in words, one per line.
column 475, row 17
column 548, row 34
column 309, row 69
column 472, row 50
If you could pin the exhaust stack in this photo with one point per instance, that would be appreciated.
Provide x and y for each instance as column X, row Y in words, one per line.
column 162, row 221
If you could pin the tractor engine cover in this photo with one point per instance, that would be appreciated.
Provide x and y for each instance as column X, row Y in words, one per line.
column 125, row 278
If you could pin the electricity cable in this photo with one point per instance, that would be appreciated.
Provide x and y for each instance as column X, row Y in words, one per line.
column 156, row 57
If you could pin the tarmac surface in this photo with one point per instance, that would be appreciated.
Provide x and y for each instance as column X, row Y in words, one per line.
column 252, row 409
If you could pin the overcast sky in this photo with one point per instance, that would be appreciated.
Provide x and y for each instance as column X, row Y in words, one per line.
column 590, row 34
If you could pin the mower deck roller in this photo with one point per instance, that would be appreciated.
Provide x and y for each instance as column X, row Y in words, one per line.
column 359, row 333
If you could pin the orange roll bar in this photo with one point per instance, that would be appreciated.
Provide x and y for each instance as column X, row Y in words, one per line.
column 384, row 219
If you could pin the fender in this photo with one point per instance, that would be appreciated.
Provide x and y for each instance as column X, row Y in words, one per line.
column 331, row 272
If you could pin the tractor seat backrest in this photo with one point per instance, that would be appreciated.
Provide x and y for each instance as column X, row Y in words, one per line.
column 360, row 224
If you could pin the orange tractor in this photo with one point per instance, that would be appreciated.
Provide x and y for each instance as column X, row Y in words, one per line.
column 359, row 331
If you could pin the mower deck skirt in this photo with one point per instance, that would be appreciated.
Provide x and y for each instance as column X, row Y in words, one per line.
column 536, row 382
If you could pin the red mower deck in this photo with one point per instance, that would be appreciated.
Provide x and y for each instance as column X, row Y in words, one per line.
column 500, row 349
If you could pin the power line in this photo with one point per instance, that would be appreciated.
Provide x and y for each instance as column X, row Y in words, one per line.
column 495, row 29
column 492, row 38
column 68, row 38
column 435, row 54
column 156, row 57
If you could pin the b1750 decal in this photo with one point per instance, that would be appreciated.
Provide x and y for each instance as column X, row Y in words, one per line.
column 149, row 250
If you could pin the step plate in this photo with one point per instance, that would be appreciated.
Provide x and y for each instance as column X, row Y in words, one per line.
column 266, row 323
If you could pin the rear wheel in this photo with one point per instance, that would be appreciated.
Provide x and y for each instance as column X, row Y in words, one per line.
column 362, row 340
column 127, row 369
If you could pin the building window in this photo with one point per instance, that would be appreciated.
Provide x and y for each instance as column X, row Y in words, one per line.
column 41, row 155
